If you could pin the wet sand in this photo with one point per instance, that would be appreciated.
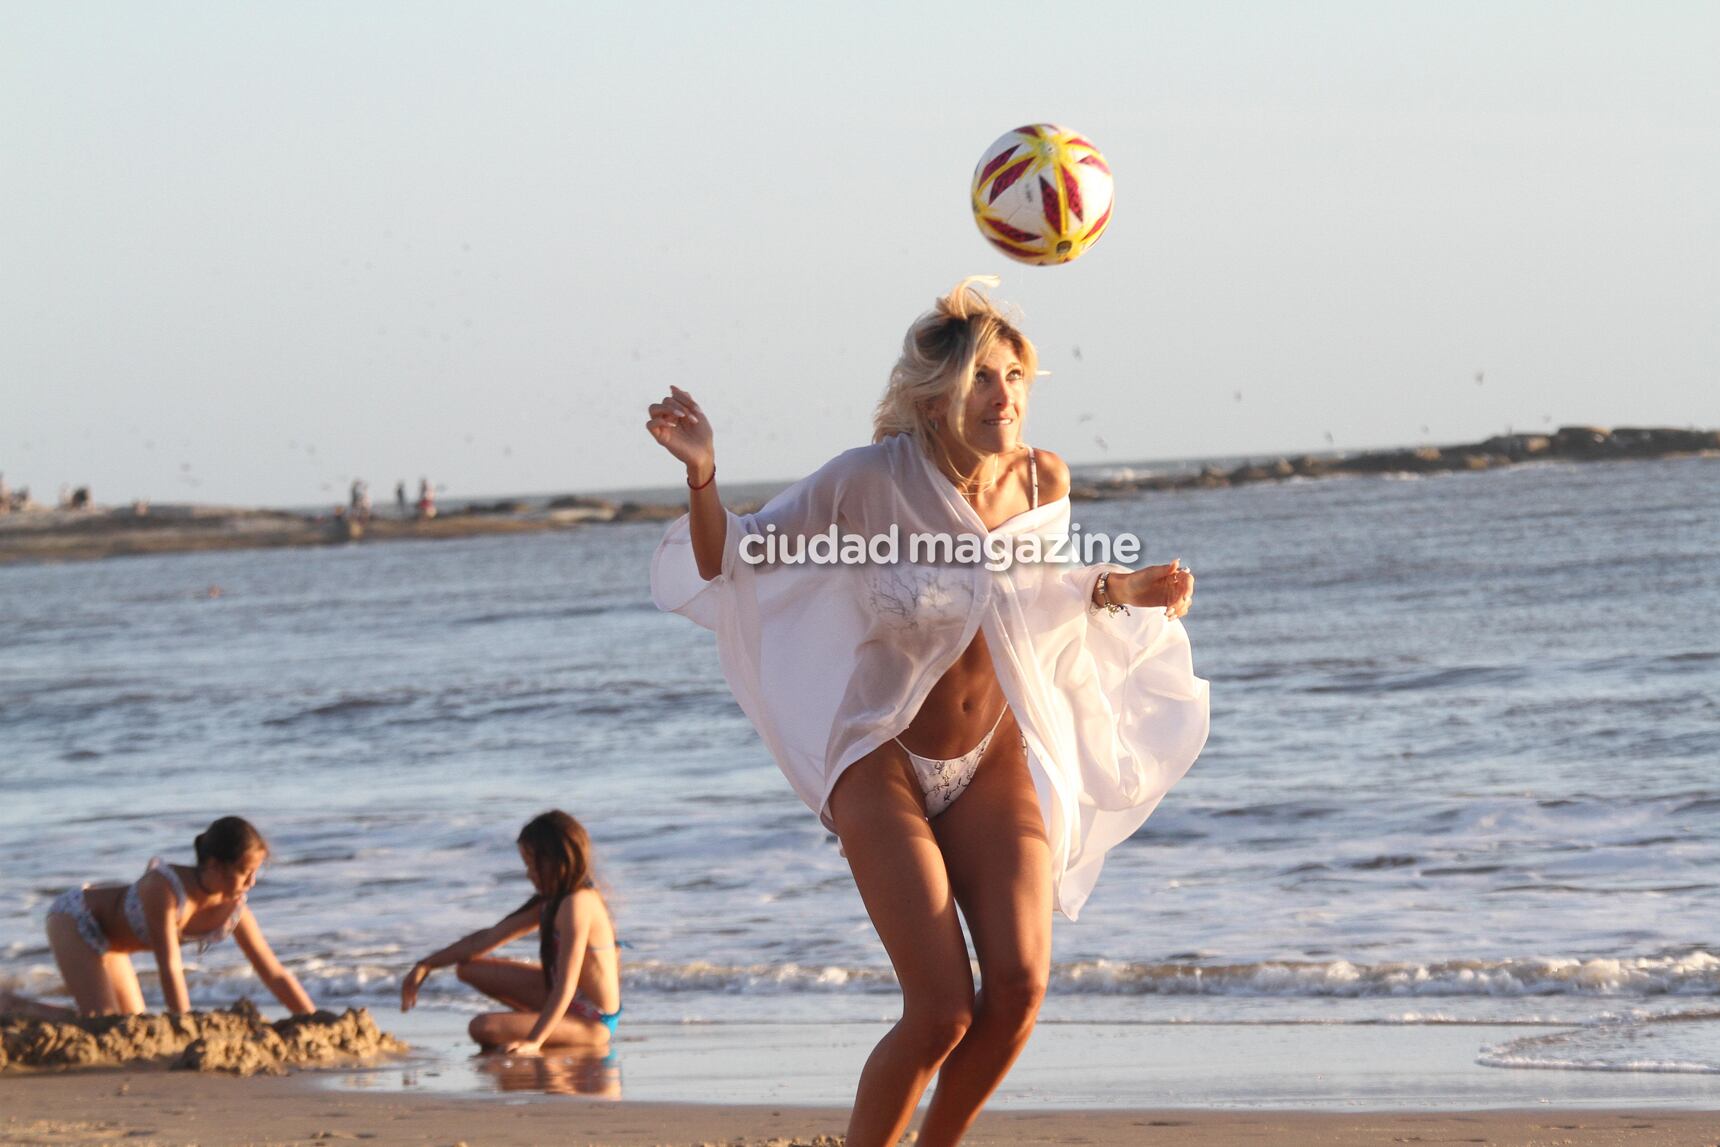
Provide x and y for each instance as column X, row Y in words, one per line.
column 162, row 1108
column 767, row 1084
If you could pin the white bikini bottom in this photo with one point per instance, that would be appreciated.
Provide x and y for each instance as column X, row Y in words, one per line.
column 944, row 781
column 71, row 904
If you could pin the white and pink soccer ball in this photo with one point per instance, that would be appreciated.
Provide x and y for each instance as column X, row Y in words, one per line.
column 1042, row 194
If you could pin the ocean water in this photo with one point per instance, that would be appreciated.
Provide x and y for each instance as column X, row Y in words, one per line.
column 1464, row 769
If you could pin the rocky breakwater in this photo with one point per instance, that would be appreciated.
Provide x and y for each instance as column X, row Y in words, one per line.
column 1567, row 444
column 236, row 1040
column 100, row 531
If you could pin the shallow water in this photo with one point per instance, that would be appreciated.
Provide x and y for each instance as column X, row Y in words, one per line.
column 1465, row 762
column 1069, row 1066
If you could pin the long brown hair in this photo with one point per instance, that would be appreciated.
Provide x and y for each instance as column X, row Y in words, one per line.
column 560, row 849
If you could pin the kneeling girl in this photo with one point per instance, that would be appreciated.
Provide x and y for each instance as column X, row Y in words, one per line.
column 572, row 997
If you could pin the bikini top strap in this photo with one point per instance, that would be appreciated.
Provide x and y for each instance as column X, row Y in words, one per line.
column 132, row 902
column 1033, row 474
column 156, row 864
column 619, row 943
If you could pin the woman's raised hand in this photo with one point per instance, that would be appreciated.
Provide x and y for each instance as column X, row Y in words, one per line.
column 680, row 427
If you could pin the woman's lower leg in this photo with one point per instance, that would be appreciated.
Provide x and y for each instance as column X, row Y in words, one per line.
column 898, row 1072
column 1003, row 1020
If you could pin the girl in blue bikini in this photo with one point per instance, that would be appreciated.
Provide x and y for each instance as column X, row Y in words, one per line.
column 572, row 996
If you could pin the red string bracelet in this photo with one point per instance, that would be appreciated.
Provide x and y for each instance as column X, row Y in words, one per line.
column 705, row 483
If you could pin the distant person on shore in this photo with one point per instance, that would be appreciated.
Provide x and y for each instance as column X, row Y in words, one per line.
column 426, row 499
column 94, row 929
column 400, row 497
column 571, row 997
column 359, row 500
column 5, row 495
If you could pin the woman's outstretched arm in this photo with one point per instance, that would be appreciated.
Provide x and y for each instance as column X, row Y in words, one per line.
column 1167, row 586
column 510, row 928
column 271, row 971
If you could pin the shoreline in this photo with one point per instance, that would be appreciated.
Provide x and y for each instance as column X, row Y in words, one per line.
column 103, row 532
column 161, row 1108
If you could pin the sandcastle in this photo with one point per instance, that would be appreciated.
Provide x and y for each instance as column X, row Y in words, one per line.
column 236, row 1039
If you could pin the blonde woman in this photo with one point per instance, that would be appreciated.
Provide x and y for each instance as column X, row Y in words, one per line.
column 977, row 738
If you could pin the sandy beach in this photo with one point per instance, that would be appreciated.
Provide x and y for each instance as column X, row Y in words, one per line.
column 159, row 1108
column 787, row 1083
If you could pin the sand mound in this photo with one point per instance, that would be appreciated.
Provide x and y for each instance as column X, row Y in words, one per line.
column 236, row 1039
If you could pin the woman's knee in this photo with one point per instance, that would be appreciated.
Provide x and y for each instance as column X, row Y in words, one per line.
column 1013, row 995
column 465, row 971
column 937, row 1027
column 482, row 1029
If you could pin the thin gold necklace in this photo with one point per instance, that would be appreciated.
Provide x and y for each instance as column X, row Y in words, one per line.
column 969, row 489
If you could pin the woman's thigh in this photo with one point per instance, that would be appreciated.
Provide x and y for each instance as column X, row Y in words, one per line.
column 880, row 816
column 999, row 863
column 123, row 976
column 82, row 968
column 517, row 983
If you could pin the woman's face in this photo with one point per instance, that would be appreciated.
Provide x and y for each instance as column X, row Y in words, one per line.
column 997, row 404
column 530, row 862
column 236, row 879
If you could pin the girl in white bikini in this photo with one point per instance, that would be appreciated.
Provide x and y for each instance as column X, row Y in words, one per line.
column 93, row 930
column 977, row 739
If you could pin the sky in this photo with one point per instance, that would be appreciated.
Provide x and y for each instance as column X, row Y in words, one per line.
column 249, row 252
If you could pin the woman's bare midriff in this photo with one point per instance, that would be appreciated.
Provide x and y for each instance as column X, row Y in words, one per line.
column 964, row 705
column 103, row 901
column 106, row 904
column 961, row 708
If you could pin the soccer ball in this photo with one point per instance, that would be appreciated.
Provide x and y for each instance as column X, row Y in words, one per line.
column 1042, row 194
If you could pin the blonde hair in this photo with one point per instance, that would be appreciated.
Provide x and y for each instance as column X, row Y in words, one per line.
column 938, row 357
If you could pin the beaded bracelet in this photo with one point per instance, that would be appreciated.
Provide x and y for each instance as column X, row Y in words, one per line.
column 1104, row 594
